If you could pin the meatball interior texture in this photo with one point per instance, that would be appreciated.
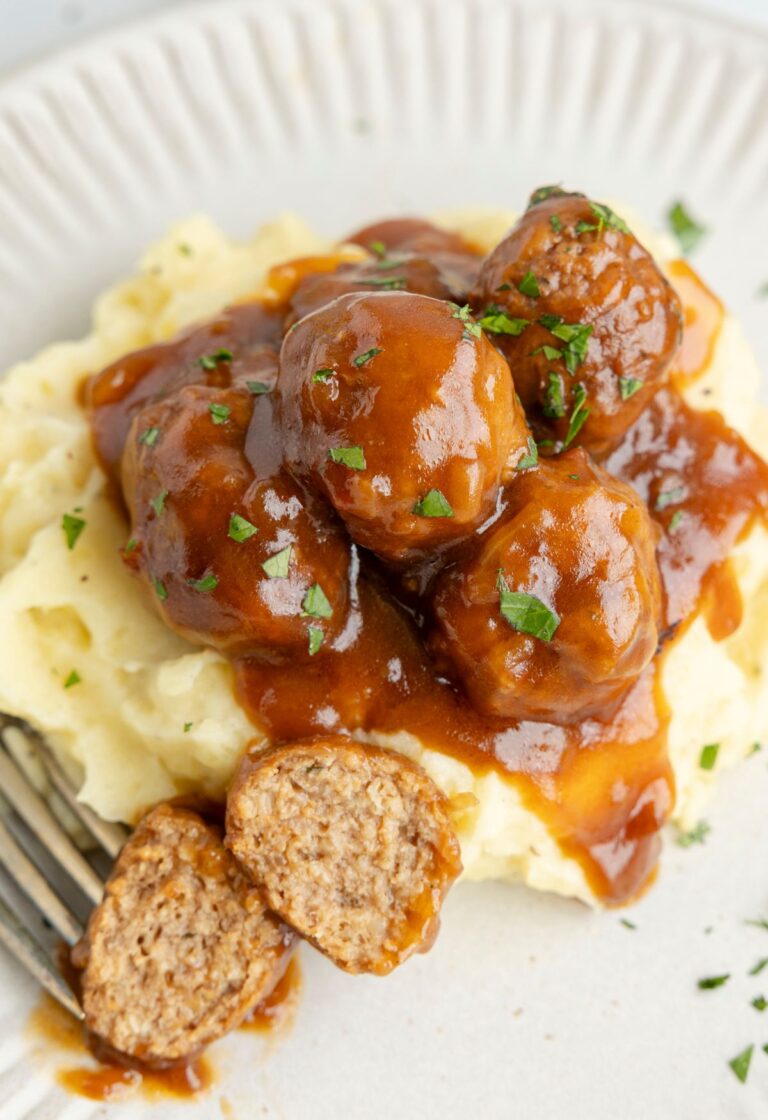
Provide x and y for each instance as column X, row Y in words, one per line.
column 181, row 946
column 583, row 545
column 351, row 844
column 248, row 564
column 399, row 410
column 596, row 323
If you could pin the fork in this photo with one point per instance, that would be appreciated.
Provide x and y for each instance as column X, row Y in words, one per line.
column 40, row 863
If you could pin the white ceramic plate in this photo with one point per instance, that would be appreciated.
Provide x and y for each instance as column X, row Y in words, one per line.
column 348, row 109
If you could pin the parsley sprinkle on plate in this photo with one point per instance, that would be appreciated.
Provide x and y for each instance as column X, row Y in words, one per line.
column 73, row 527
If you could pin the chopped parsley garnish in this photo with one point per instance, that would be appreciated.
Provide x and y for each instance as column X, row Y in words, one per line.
column 686, row 229
column 696, row 835
column 209, row 582
column 675, row 520
column 385, row 283
column 628, row 386
column 73, row 679
column 760, row 1003
column 605, row 218
column 378, row 248
column 315, row 603
column 496, row 321
column 210, row 361
column 184, row 249
column 158, row 503
column 316, row 637
column 504, row 288
column 188, row 726
column 131, row 546
column 73, row 527
column 708, row 756
column 352, row 457
column 160, row 589
column 276, row 567
column 541, row 194
column 525, row 612
column 759, row 923
column 258, row 388
column 240, row 529
column 433, row 504
column 320, row 376
column 740, row 1064
column 362, row 359
column 471, row 328
column 219, row 413
column 149, row 436
column 529, row 286
column 574, row 335
column 531, row 458
column 758, row 968
column 554, row 405
column 763, row 289
column 710, row 982
column 669, row 498
column 627, row 924
column 556, row 224
column 579, row 415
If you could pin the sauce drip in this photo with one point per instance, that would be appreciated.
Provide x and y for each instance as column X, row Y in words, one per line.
column 276, row 1011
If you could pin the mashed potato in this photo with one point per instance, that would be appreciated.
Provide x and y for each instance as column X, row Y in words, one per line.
column 141, row 715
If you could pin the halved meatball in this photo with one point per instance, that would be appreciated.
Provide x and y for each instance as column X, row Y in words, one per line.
column 399, row 410
column 556, row 611
column 242, row 559
column 352, row 846
column 592, row 325
column 181, row 946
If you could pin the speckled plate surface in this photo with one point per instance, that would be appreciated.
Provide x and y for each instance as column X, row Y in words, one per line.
column 346, row 109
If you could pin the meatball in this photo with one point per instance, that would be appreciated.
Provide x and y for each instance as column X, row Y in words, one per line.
column 239, row 347
column 557, row 609
column 246, row 561
column 181, row 947
column 591, row 324
column 400, row 411
column 351, row 844
column 413, row 235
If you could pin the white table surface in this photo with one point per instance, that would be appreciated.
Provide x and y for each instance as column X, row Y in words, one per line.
column 31, row 28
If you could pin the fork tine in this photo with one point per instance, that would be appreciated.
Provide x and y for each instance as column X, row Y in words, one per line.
column 27, row 877
column 29, row 954
column 110, row 836
column 32, row 808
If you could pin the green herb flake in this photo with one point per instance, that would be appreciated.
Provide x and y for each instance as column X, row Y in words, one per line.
column 710, row 982
column 258, row 388
column 556, row 224
column 526, row 613
column 758, row 923
column 762, row 291
column 608, row 217
column 209, row 582
column 276, row 567
column 378, row 248
column 240, row 529
column 385, row 283
column 760, row 1003
column 627, row 924
column 160, row 589
column 696, row 835
column 316, row 637
column 320, row 376
column 531, row 458
column 554, row 405
column 496, row 321
column 433, row 504
column 188, row 726
column 756, row 748
column 574, row 335
column 352, row 457
column 686, row 229
column 708, row 756
column 541, row 194
column 158, row 503
column 471, row 328
column 675, row 521
column 210, row 361
column 219, row 413
column 363, row 359
column 579, row 416
column 740, row 1064
column 184, row 249
column 504, row 288
column 551, row 353
column 73, row 527
column 315, row 603
column 669, row 498
column 149, row 436
column 529, row 286
column 73, row 679
column 628, row 386
column 131, row 546
column 758, row 968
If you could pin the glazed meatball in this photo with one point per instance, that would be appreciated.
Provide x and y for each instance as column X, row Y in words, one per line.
column 181, row 947
column 246, row 561
column 399, row 410
column 238, row 347
column 352, row 844
column 591, row 323
column 413, row 235
column 557, row 609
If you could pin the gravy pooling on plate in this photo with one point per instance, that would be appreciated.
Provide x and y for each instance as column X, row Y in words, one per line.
column 311, row 514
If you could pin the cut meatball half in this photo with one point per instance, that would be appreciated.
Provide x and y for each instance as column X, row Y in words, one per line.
column 352, row 845
column 181, row 946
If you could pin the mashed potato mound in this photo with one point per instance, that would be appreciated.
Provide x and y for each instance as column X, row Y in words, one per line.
column 141, row 715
